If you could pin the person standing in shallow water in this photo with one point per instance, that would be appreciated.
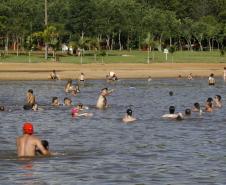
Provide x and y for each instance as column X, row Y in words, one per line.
column 128, row 117
column 102, row 100
column 28, row 144
column 211, row 79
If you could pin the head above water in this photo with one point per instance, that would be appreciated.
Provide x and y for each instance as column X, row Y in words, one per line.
column 209, row 99
column 45, row 144
column 197, row 105
column 218, row 97
column 28, row 128
column 54, row 99
column 2, row 108
column 30, row 91
column 171, row 93
column 129, row 112
column 172, row 109
column 187, row 111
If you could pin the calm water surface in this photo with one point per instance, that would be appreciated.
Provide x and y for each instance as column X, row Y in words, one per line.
column 102, row 150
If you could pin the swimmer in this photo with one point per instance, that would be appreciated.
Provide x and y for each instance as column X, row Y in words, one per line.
column 197, row 108
column 172, row 114
column 211, row 80
column 55, row 102
column 54, row 76
column 27, row 144
column 67, row 102
column 69, row 87
column 30, row 100
column 171, row 93
column 45, row 144
column 187, row 112
column 102, row 100
column 74, row 93
column 81, row 107
column 209, row 107
column 2, row 108
column 217, row 101
column 75, row 112
column 128, row 117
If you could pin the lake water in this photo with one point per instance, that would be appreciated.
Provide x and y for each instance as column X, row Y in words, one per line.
column 102, row 150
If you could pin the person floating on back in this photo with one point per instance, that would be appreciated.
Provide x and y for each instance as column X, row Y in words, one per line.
column 128, row 117
column 27, row 144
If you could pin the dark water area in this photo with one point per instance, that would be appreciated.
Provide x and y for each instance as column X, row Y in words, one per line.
column 102, row 150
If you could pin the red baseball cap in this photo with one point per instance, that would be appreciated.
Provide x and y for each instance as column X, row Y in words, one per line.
column 28, row 128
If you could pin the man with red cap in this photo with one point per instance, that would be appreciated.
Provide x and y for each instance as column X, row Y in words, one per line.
column 27, row 144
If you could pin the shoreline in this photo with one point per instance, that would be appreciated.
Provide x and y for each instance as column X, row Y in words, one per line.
column 41, row 71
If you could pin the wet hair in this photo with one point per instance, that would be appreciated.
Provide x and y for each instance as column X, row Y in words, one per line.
column 67, row 99
column 54, row 98
column 2, row 108
column 187, row 111
column 210, row 104
column 197, row 105
column 129, row 112
column 45, row 144
column 218, row 97
column 209, row 99
column 171, row 109
column 30, row 91
column 104, row 89
column 171, row 93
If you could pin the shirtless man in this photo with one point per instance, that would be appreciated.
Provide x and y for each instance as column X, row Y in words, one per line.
column 217, row 101
column 30, row 98
column 128, row 117
column 172, row 114
column 27, row 144
column 102, row 100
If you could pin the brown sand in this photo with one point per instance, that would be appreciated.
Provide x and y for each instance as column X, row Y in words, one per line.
column 41, row 71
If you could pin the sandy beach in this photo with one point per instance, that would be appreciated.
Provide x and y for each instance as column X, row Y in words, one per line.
column 41, row 71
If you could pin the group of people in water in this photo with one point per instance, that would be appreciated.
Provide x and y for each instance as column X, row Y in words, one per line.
column 29, row 145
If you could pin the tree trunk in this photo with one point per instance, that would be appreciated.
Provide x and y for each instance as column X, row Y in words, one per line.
column 7, row 44
column 200, row 44
column 119, row 40
column 160, row 43
column 210, row 47
column 17, row 46
column 108, row 42
column 170, row 41
column 180, row 44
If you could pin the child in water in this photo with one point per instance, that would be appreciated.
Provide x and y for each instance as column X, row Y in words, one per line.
column 128, row 117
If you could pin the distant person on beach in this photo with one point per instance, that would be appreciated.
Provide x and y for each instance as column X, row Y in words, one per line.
column 82, row 78
column 217, row 101
column 55, row 102
column 54, row 75
column 211, row 79
column 27, row 144
column 30, row 100
column 190, row 77
column 111, row 76
column 172, row 114
column 102, row 100
column 224, row 75
column 149, row 79
column 128, row 117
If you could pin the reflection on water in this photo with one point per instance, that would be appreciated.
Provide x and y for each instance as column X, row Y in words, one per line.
column 103, row 150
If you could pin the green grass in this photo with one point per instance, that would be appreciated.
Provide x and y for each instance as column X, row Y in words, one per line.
column 124, row 57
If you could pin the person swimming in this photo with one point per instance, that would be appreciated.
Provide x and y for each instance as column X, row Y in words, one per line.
column 2, row 108
column 172, row 114
column 209, row 107
column 75, row 112
column 217, row 101
column 102, row 99
column 27, row 144
column 128, row 117
column 55, row 102
column 30, row 100
column 197, row 108
column 69, row 87
column 67, row 102
column 45, row 144
column 171, row 93
column 187, row 112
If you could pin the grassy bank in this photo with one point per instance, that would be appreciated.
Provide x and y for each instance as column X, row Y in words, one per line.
column 121, row 57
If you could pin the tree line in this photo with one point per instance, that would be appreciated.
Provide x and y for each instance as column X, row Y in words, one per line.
column 113, row 24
